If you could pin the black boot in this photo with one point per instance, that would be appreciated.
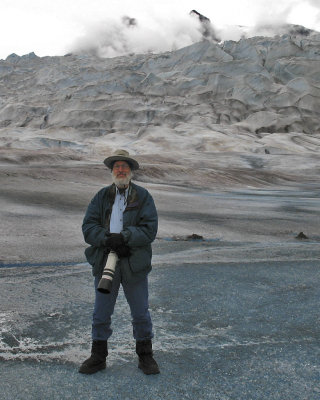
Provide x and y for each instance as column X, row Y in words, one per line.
column 147, row 363
column 97, row 361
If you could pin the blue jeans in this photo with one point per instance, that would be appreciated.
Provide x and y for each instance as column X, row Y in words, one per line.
column 137, row 298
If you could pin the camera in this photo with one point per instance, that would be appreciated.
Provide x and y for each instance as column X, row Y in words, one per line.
column 105, row 283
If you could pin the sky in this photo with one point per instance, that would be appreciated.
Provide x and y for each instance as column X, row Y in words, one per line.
column 57, row 27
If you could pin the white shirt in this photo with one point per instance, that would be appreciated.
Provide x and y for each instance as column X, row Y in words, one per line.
column 119, row 205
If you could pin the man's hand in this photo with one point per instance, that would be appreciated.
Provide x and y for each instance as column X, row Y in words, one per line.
column 114, row 240
column 123, row 251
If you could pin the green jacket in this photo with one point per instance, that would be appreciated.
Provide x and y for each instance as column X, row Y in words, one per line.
column 140, row 225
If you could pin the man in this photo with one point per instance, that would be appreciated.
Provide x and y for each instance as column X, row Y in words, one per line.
column 121, row 218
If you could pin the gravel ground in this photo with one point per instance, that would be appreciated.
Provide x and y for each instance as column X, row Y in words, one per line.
column 235, row 315
column 238, row 330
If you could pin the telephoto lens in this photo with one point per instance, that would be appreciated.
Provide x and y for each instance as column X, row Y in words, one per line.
column 105, row 283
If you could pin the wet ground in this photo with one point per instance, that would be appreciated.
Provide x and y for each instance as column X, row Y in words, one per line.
column 223, row 330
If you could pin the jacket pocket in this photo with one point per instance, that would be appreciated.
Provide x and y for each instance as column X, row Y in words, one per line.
column 140, row 259
column 91, row 254
column 96, row 257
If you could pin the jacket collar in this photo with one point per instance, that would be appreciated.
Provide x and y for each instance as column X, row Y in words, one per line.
column 133, row 197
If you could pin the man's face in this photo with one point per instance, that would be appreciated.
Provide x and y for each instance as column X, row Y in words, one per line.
column 121, row 173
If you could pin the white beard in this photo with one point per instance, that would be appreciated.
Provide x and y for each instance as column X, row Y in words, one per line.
column 122, row 183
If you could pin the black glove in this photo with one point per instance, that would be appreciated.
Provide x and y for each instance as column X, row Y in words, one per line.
column 114, row 240
column 123, row 251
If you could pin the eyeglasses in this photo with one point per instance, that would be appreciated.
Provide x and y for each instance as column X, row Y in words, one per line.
column 122, row 166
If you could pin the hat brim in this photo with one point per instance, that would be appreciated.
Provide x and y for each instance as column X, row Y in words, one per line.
column 110, row 160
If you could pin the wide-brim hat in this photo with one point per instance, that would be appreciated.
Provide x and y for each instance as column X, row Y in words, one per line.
column 121, row 155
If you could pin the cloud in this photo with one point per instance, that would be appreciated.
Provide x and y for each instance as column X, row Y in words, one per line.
column 110, row 38
column 48, row 28
column 314, row 3
column 274, row 13
column 300, row 12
